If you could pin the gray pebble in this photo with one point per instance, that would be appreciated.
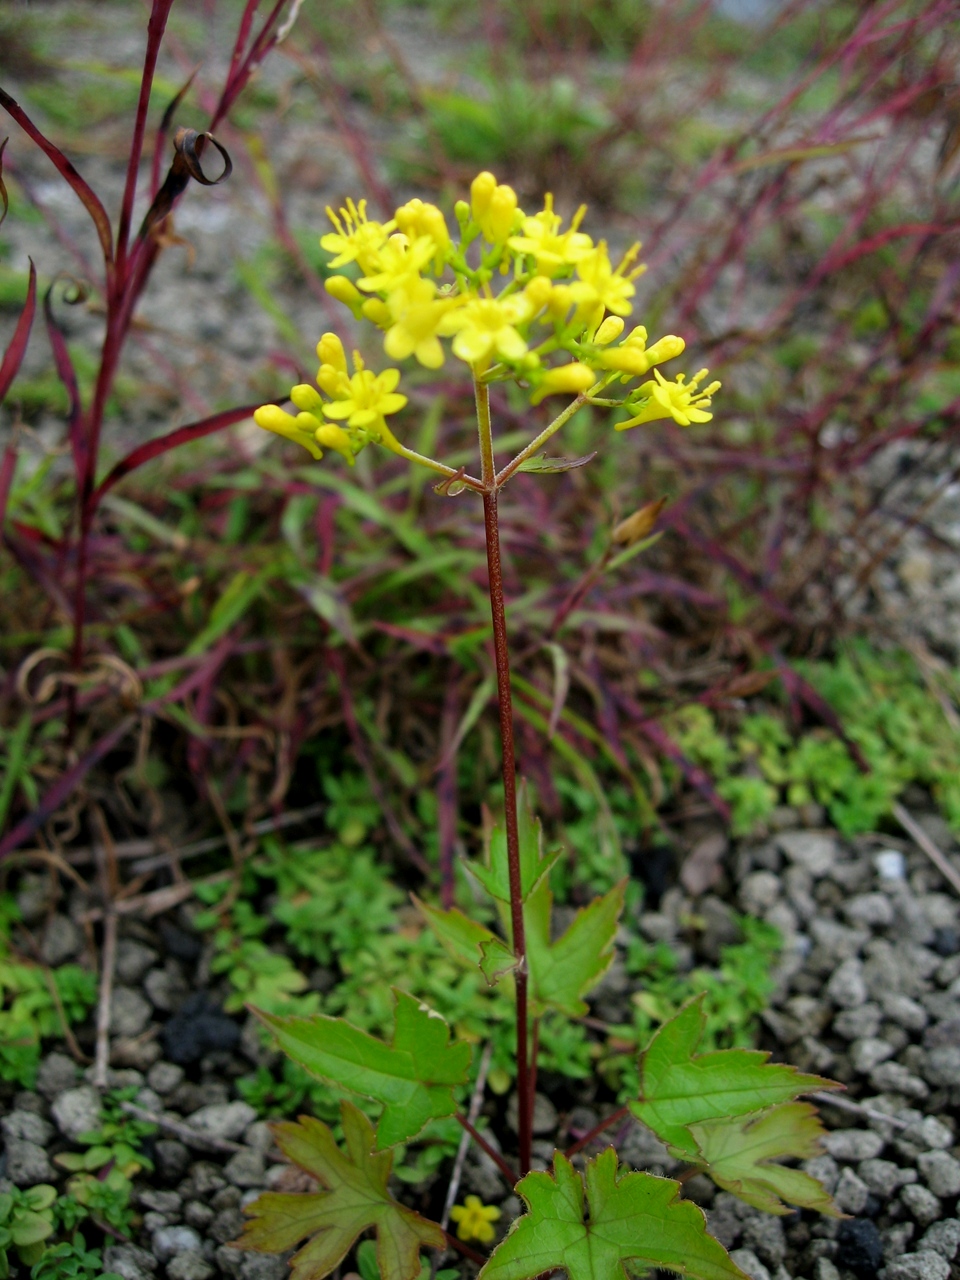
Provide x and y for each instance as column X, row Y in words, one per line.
column 943, row 1238
column 851, row 1193
column 129, row 1012
column 847, row 987
column 133, row 960
column 930, row 1134
column 883, row 1176
column 904, row 1012
column 825, row 1169
column 894, row 1077
column 824, row 1269
column 129, row 1261
column 163, row 1077
column 868, row 1053
column 173, row 1159
column 941, row 1066
column 259, row 1135
column 200, row 1215
column 77, row 1111
column 765, row 1236
column 816, row 852
column 759, row 892
column 246, row 1169
column 261, row 1266
column 873, row 910
column 853, row 1144
column 61, row 941
column 925, row 1265
column 226, row 1226
column 223, row 1120
column 861, row 1022
column 169, row 1241
column 28, row 1163
column 28, row 1126
column 941, row 1172
column 748, row 1261
column 57, row 1073
column 167, row 1202
column 189, row 1266
column 920, row 1203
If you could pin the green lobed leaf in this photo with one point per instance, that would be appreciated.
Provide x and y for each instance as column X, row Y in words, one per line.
column 636, row 1221
column 737, row 1152
column 414, row 1077
column 356, row 1198
column 562, row 972
column 679, row 1087
column 494, row 875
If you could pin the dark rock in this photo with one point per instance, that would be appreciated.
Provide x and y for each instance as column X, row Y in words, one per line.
column 198, row 1027
column 946, row 940
column 859, row 1247
column 173, row 1159
column 227, row 1225
column 180, row 944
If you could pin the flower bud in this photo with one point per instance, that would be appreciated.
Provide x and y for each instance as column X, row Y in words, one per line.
column 330, row 350
column 377, row 312
column 306, row 398
column 343, row 290
column 481, row 189
column 639, row 525
column 665, row 348
column 497, row 223
column 300, row 428
column 461, row 211
column 538, row 290
column 609, row 331
column 571, row 379
column 333, row 437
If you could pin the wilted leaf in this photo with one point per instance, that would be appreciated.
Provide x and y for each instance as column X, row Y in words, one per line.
column 679, row 1087
column 639, row 525
column 356, row 1197
column 737, row 1152
column 636, row 1222
column 414, row 1077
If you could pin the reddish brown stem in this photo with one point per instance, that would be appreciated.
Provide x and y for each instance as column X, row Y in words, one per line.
column 524, row 1108
column 485, row 1146
column 596, row 1131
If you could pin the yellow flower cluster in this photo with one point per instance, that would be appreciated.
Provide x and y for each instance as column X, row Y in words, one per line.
column 475, row 1219
column 361, row 400
column 554, row 323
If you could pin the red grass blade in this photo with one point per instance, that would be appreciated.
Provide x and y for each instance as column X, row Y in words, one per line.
column 13, row 356
column 163, row 444
column 62, row 788
column 84, row 192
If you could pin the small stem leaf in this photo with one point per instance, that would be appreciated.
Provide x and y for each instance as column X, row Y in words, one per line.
column 496, row 959
column 469, row 942
column 679, row 1087
column 636, row 1222
column 534, row 863
column 413, row 1078
column 549, row 466
column 562, row 972
column 356, row 1197
column 737, row 1152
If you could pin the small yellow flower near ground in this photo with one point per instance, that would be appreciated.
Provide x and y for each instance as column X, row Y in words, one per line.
column 366, row 398
column 475, row 1219
column 682, row 401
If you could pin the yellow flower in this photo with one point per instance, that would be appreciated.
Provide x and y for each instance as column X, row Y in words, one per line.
column 475, row 1219
column 680, row 400
column 570, row 379
column 552, row 249
column 494, row 207
column 416, row 315
column 399, row 263
column 600, row 285
column 556, row 299
column 365, row 398
column 633, row 357
column 300, row 429
column 485, row 327
column 356, row 239
column 416, row 219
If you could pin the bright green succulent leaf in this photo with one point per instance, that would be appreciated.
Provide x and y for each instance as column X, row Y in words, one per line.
column 737, row 1151
column 636, row 1222
column 356, row 1198
column 679, row 1087
column 562, row 972
column 414, row 1077
column 494, row 875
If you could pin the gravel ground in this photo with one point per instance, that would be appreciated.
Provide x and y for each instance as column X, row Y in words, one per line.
column 868, row 991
